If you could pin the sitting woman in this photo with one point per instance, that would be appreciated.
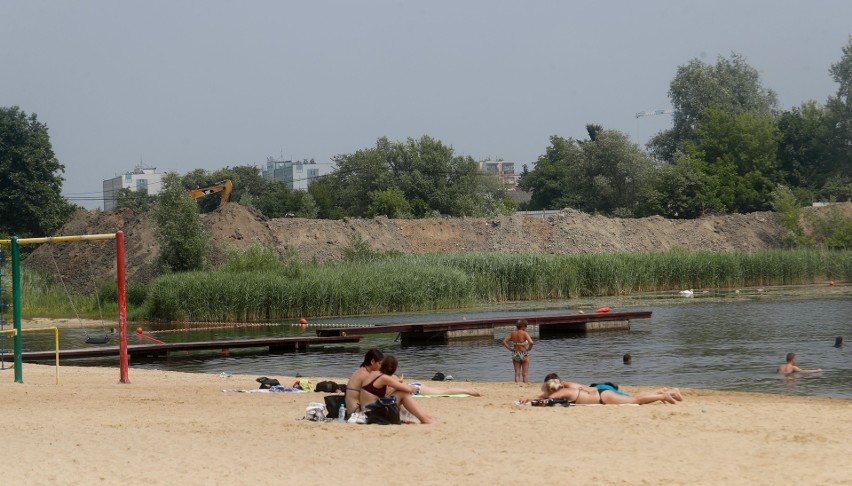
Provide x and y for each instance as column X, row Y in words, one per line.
column 372, row 362
column 604, row 394
column 384, row 383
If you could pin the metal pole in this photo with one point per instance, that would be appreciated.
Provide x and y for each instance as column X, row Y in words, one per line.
column 122, row 306
column 16, row 310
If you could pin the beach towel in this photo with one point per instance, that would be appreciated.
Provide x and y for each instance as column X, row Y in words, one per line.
column 451, row 395
column 272, row 389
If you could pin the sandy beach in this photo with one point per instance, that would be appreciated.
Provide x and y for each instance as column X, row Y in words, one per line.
column 178, row 428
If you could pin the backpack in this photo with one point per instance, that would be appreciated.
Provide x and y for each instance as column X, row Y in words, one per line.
column 266, row 383
column 438, row 377
column 329, row 387
column 383, row 411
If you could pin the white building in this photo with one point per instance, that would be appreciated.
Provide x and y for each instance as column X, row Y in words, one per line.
column 141, row 178
column 298, row 174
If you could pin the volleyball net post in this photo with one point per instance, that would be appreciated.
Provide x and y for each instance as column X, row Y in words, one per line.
column 120, row 280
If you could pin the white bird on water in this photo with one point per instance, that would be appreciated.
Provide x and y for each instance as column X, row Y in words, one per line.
column 686, row 293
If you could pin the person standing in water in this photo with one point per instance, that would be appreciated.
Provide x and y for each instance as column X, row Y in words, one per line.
column 520, row 344
column 790, row 366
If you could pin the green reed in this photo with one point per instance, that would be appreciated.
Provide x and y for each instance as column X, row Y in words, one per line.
column 401, row 283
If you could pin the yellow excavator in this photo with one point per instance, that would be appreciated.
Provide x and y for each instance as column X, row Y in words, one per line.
column 225, row 187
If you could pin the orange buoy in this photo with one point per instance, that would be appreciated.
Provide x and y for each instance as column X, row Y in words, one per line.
column 603, row 309
column 138, row 330
column 303, row 321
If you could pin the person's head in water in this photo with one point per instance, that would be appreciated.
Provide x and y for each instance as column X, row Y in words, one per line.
column 838, row 342
column 791, row 358
column 627, row 359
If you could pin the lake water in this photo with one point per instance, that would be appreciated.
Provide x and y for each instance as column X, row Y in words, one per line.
column 723, row 340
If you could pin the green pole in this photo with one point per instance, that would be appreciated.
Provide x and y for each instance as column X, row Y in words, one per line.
column 16, row 310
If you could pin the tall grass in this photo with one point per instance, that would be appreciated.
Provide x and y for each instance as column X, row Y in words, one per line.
column 43, row 295
column 439, row 281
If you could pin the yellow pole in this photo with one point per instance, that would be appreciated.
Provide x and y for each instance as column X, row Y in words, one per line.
column 60, row 239
column 56, row 339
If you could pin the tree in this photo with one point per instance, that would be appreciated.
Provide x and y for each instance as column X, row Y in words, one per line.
column 272, row 202
column 685, row 189
column 804, row 150
column 606, row 174
column 615, row 176
column 138, row 201
column 429, row 175
column 549, row 182
column 177, row 226
column 31, row 203
column 740, row 152
column 390, row 203
column 840, row 109
column 731, row 85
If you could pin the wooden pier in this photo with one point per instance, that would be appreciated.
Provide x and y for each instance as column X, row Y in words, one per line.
column 552, row 324
column 275, row 345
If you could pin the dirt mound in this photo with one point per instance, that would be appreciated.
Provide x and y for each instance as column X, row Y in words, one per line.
column 567, row 232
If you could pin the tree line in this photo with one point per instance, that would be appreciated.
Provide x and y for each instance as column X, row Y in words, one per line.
column 729, row 150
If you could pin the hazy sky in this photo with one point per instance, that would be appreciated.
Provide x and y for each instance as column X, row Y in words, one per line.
column 208, row 84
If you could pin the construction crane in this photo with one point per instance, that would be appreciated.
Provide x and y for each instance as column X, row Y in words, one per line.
column 655, row 112
column 225, row 187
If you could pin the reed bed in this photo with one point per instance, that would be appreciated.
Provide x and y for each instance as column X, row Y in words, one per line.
column 403, row 283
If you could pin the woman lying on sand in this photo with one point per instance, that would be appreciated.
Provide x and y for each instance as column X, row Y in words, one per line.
column 579, row 394
column 384, row 383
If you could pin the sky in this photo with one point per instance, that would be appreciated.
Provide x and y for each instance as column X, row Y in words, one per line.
column 208, row 84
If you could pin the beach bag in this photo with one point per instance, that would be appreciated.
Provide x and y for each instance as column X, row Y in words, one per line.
column 438, row 377
column 332, row 405
column 315, row 412
column 266, row 383
column 383, row 411
column 329, row 387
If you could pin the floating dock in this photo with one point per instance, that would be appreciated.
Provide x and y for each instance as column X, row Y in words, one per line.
column 548, row 325
column 275, row 345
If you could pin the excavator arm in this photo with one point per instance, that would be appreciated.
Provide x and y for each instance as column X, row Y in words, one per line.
column 225, row 187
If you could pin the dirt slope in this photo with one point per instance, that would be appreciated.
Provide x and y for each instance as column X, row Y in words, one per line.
column 568, row 232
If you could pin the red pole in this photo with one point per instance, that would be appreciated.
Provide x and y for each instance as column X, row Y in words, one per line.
column 122, row 306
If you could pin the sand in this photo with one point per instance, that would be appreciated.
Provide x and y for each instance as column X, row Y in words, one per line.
column 180, row 428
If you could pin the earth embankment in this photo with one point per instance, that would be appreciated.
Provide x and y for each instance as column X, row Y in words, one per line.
column 567, row 232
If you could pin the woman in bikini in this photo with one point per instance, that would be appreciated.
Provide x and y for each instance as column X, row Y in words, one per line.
column 372, row 362
column 384, row 383
column 520, row 344
column 579, row 394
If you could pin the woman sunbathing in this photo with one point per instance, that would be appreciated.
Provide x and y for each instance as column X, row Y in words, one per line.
column 384, row 383
column 603, row 394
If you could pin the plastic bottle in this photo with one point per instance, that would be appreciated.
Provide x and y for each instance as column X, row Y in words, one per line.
column 341, row 413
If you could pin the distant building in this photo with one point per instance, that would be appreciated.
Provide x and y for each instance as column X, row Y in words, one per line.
column 503, row 170
column 141, row 178
column 298, row 174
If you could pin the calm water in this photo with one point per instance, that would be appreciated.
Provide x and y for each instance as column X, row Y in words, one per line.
column 718, row 340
